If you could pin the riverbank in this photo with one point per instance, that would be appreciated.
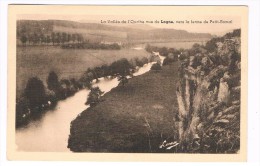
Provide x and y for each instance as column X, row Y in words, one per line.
column 62, row 115
column 136, row 117
column 39, row 61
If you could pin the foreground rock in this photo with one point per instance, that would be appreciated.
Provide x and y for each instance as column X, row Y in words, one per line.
column 209, row 99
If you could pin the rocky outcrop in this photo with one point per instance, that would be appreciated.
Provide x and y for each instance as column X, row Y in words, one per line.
column 208, row 96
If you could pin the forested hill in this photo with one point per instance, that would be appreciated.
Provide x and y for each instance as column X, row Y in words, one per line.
column 102, row 32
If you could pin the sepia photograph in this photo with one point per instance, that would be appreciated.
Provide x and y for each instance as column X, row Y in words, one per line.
column 127, row 81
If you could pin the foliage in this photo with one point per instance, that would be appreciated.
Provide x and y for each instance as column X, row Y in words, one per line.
column 156, row 67
column 141, row 62
column 94, row 96
column 170, row 59
column 35, row 92
column 122, row 79
column 211, row 45
column 56, row 89
column 23, row 39
column 163, row 51
column 56, row 38
column 53, row 81
column 121, row 69
column 88, row 45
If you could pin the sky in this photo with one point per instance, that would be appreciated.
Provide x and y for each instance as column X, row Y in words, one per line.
column 94, row 14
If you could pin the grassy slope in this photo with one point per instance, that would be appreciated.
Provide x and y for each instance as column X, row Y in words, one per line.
column 121, row 122
column 67, row 63
column 106, row 35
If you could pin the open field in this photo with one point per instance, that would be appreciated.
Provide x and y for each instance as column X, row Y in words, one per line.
column 67, row 63
column 134, row 118
column 94, row 34
column 177, row 44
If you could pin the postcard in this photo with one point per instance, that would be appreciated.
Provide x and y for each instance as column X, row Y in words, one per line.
column 127, row 83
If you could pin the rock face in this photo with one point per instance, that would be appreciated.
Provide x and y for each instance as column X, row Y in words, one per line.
column 209, row 100
column 144, row 116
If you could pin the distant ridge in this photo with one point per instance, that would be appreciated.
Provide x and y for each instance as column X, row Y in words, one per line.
column 96, row 31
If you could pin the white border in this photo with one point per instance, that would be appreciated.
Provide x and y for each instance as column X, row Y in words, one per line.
column 253, row 75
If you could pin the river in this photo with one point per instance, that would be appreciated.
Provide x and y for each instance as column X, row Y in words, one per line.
column 51, row 133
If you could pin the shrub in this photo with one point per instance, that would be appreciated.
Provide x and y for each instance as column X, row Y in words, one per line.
column 53, row 81
column 169, row 60
column 35, row 92
column 156, row 67
column 94, row 96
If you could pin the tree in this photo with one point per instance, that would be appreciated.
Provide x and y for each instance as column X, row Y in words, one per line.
column 65, row 89
column 94, row 96
column 196, row 49
column 122, row 68
column 80, row 38
column 148, row 48
column 58, row 38
column 156, row 67
column 53, row 81
column 211, row 45
column 35, row 38
column 106, row 70
column 98, row 72
column 87, row 78
column 42, row 38
column 144, row 60
column 64, row 37
column 23, row 39
column 30, row 39
column 35, row 92
column 167, row 61
column 48, row 39
column 53, row 36
column 122, row 79
column 73, row 37
column 69, row 38
column 93, row 74
column 163, row 51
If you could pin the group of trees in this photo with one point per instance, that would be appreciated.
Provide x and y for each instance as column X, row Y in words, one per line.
column 37, row 98
column 164, row 51
column 55, row 38
column 120, row 69
column 65, row 40
column 88, row 45
column 94, row 96
column 212, row 44
column 156, row 67
column 171, row 54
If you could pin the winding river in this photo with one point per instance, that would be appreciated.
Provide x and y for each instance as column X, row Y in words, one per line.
column 51, row 133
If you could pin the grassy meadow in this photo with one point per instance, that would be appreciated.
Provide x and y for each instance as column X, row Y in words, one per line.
column 67, row 63
column 136, row 118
